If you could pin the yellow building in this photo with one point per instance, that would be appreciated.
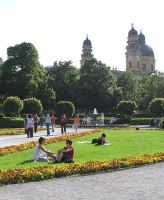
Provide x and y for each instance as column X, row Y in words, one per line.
column 139, row 56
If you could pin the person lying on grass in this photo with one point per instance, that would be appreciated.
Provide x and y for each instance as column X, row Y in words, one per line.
column 41, row 153
column 65, row 154
column 101, row 140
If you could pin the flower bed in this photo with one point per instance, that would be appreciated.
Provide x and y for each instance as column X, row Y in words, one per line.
column 15, row 131
column 40, row 173
column 28, row 145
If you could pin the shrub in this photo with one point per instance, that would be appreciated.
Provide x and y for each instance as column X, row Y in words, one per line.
column 140, row 121
column 126, row 108
column 155, row 106
column 151, row 122
column 12, row 105
column 65, row 107
column 32, row 105
column 8, row 122
column 2, row 115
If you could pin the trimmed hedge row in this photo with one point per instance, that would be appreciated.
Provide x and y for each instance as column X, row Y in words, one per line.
column 9, row 122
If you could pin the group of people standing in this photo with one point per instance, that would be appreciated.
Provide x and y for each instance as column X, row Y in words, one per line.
column 31, row 123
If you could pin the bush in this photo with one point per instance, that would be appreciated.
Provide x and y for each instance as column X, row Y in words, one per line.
column 12, row 105
column 151, row 122
column 32, row 106
column 65, row 107
column 156, row 106
column 2, row 115
column 8, row 122
column 141, row 121
column 126, row 108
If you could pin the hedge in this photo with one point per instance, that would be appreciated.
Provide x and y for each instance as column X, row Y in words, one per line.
column 11, row 122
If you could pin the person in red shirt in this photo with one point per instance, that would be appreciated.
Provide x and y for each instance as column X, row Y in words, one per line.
column 63, row 123
column 66, row 154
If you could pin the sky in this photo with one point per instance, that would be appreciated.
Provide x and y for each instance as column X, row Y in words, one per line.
column 57, row 28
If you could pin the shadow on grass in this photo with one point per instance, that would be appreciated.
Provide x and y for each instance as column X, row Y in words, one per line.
column 27, row 161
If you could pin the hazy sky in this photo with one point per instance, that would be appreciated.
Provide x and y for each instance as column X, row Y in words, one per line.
column 58, row 28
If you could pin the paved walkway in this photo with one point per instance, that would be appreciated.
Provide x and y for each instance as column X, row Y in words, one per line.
column 143, row 183
column 7, row 140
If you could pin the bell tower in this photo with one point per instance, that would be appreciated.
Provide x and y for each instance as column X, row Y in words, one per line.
column 87, row 51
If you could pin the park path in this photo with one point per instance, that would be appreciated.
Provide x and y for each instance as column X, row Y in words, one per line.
column 7, row 140
column 142, row 183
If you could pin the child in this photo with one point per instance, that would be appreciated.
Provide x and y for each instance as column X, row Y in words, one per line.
column 101, row 140
column 66, row 154
column 41, row 153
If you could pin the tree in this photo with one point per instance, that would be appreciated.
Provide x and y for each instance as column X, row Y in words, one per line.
column 127, row 83
column 21, row 72
column 97, row 88
column 65, row 107
column 47, row 97
column 12, row 105
column 156, row 106
column 148, row 88
column 32, row 105
column 126, row 108
column 63, row 77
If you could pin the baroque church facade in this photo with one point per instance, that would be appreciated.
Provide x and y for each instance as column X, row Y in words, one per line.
column 139, row 56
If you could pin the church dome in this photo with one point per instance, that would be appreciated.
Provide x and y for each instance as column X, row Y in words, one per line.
column 146, row 50
column 141, row 39
column 87, row 42
column 132, row 32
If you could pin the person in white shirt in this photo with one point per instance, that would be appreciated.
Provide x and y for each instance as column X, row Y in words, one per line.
column 41, row 153
column 29, row 126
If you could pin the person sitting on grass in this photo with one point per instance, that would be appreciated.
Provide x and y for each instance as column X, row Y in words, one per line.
column 41, row 153
column 101, row 140
column 65, row 154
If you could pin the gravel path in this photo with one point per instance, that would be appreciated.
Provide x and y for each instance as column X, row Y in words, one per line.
column 143, row 183
column 7, row 140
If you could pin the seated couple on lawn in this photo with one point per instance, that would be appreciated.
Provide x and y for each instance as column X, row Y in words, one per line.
column 101, row 140
column 63, row 155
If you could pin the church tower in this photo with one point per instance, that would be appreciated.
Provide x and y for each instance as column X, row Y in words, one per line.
column 87, row 51
column 139, row 56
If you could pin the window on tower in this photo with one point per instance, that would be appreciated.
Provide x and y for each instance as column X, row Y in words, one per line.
column 130, row 64
column 152, row 67
column 138, row 64
column 144, row 67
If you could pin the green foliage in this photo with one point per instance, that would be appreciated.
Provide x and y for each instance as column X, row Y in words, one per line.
column 47, row 97
column 11, row 122
column 151, row 122
column 148, row 88
column 2, row 115
column 12, row 105
column 64, row 107
column 63, row 77
column 128, row 83
column 156, row 107
column 21, row 72
column 141, row 121
column 97, row 88
column 32, row 105
column 126, row 108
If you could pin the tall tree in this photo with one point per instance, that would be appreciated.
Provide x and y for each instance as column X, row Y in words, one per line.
column 128, row 83
column 63, row 77
column 97, row 87
column 21, row 72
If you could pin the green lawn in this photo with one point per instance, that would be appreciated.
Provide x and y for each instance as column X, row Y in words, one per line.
column 123, row 143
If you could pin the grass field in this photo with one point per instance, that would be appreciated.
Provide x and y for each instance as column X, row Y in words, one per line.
column 123, row 143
